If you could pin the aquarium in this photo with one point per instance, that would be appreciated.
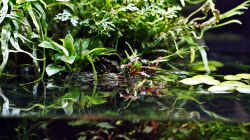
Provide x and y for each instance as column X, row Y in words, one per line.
column 123, row 69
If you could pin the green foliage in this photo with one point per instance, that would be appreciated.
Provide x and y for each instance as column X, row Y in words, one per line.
column 68, row 35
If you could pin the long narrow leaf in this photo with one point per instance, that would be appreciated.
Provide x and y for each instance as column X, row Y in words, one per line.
column 4, row 10
column 33, row 17
column 54, row 46
column 5, row 36
column 15, row 44
column 204, row 58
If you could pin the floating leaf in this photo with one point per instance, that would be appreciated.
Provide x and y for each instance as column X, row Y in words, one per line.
column 220, row 89
column 232, row 77
column 199, row 79
column 244, row 89
column 232, row 84
column 243, row 75
column 212, row 82
column 206, row 79
column 190, row 81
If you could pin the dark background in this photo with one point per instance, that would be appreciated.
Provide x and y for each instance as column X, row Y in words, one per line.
column 231, row 44
column 244, row 29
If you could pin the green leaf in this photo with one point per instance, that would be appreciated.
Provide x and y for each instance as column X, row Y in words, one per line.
column 199, row 79
column 105, row 125
column 244, row 89
column 221, row 89
column 33, row 17
column 54, row 46
column 67, row 59
column 183, row 3
column 68, row 107
column 20, row 1
column 68, row 43
column 243, row 75
column 190, row 81
column 232, row 77
column 52, row 69
column 4, row 10
column 5, row 36
column 97, row 100
column 232, row 84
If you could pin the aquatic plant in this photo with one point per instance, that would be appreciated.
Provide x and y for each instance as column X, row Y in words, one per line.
column 238, row 82
column 151, row 27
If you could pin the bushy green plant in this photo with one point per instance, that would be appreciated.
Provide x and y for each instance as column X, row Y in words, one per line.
column 68, row 35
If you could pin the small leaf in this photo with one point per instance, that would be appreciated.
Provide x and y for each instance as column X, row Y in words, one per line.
column 244, row 89
column 68, row 59
column 97, row 100
column 243, row 75
column 68, row 43
column 4, row 10
column 52, row 69
column 212, row 82
column 206, row 79
column 105, row 125
column 54, row 46
column 67, row 107
column 232, row 84
column 220, row 89
column 183, row 3
column 232, row 77
column 190, row 81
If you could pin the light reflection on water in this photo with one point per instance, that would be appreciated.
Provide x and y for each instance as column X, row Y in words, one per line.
column 66, row 100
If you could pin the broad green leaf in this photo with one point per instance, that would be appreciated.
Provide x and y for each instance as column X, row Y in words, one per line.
column 68, row 59
column 52, row 69
column 68, row 43
column 85, row 43
column 232, row 77
column 244, row 89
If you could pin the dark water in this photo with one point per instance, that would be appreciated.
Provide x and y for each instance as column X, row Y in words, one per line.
column 76, row 95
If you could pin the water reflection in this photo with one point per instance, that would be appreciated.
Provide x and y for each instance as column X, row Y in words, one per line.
column 143, row 99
